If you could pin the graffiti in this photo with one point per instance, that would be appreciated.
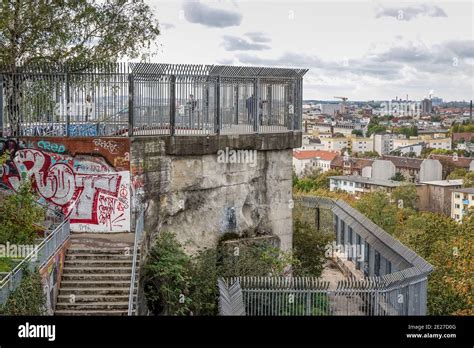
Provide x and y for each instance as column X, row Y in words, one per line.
column 50, row 277
column 85, row 188
column 122, row 161
column 109, row 145
column 53, row 147
column 82, row 130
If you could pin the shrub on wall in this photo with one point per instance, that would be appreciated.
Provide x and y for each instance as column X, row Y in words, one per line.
column 176, row 284
column 18, row 215
column 28, row 298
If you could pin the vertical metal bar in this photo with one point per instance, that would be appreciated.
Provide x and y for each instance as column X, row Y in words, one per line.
column 1, row 105
column 256, row 106
column 172, row 104
column 68, row 106
column 217, row 117
column 131, row 97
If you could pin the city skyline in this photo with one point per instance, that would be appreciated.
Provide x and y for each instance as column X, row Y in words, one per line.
column 364, row 50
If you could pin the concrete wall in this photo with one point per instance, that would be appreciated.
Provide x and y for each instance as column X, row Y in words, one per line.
column 383, row 170
column 196, row 192
column 430, row 170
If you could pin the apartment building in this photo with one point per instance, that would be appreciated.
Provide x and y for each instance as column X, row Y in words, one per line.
column 309, row 160
column 362, row 145
column 461, row 201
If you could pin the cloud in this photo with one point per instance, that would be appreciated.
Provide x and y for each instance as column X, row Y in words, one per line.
column 257, row 36
column 195, row 12
column 410, row 13
column 234, row 43
column 392, row 64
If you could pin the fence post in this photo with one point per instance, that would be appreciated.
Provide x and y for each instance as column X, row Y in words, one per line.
column 256, row 108
column 131, row 99
column 172, row 104
column 68, row 104
column 217, row 120
column 1, row 105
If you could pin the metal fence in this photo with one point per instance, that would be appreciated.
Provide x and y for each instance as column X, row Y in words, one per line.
column 305, row 296
column 133, row 298
column 149, row 99
column 385, row 278
column 36, row 259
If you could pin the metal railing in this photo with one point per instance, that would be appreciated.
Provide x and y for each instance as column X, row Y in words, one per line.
column 388, row 279
column 149, row 99
column 35, row 259
column 136, row 246
column 306, row 296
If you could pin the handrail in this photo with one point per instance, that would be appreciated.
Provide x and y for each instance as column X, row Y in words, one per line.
column 45, row 247
column 138, row 234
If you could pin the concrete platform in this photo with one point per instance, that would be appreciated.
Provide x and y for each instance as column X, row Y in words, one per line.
column 102, row 240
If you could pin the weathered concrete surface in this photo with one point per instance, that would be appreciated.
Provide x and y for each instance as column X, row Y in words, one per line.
column 199, row 198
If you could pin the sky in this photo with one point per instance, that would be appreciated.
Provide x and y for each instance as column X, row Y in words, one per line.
column 363, row 50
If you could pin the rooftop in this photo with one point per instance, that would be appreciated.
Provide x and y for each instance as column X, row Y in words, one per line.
column 371, row 181
column 454, row 182
column 308, row 154
column 404, row 162
column 465, row 190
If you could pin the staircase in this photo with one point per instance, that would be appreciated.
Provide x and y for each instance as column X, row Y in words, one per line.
column 95, row 279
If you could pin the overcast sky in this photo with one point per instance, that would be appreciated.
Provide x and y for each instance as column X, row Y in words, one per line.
column 360, row 49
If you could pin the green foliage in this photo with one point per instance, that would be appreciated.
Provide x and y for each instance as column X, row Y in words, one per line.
column 468, row 180
column 376, row 206
column 74, row 31
column 168, row 281
column 18, row 215
column 457, row 173
column 6, row 264
column 462, row 128
column 449, row 247
column 357, row 132
column 309, row 245
column 375, row 127
column 177, row 284
column 407, row 131
column 406, row 193
column 398, row 177
column 28, row 298
column 314, row 181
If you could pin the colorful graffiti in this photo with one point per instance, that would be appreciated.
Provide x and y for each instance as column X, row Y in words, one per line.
column 85, row 187
column 50, row 277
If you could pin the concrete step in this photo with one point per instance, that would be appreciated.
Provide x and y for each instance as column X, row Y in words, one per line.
column 95, row 291
column 97, row 270
column 93, row 306
column 94, row 276
column 87, row 256
column 77, row 284
column 90, row 312
column 102, row 251
column 66, row 299
column 98, row 263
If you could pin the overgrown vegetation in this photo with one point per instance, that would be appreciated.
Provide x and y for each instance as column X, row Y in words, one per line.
column 18, row 215
column 28, row 298
column 179, row 284
column 440, row 240
column 314, row 180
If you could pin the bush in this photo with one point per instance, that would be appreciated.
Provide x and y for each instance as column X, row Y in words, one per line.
column 18, row 215
column 28, row 298
column 177, row 284
column 167, row 279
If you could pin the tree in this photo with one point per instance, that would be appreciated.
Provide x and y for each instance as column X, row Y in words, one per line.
column 407, row 194
column 75, row 32
column 398, row 177
column 19, row 217
column 376, row 206
column 468, row 180
column 457, row 173
column 357, row 132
